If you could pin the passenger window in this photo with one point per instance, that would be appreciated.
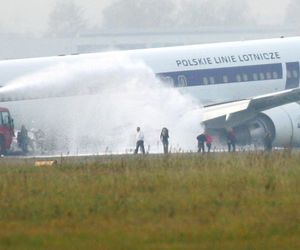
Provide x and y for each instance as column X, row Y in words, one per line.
column 205, row 81
column 275, row 75
column 238, row 78
column 211, row 80
column 225, row 79
column 245, row 77
column 169, row 80
column 295, row 74
column 182, row 81
column 269, row 76
column 261, row 76
column 289, row 74
column 255, row 77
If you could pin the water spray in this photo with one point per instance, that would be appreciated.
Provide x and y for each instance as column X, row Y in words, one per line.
column 94, row 106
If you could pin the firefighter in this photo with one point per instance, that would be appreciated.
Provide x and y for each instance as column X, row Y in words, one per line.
column 201, row 140
column 268, row 142
column 23, row 139
column 231, row 140
column 164, row 137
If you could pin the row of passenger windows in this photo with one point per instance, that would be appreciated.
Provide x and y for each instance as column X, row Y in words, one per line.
column 228, row 75
column 241, row 78
column 182, row 80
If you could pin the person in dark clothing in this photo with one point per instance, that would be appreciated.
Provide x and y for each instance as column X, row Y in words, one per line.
column 139, row 141
column 231, row 140
column 23, row 139
column 164, row 137
column 268, row 142
column 201, row 140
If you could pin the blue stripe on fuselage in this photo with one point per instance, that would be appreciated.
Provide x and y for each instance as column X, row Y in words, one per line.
column 224, row 75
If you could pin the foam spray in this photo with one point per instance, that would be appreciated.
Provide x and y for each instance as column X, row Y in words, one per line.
column 104, row 101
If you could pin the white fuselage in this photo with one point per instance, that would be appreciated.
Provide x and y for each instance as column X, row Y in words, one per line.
column 212, row 73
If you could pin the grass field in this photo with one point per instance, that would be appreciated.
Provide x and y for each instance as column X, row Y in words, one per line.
column 182, row 201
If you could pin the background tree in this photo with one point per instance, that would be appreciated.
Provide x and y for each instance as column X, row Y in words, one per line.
column 153, row 14
column 138, row 14
column 66, row 20
column 292, row 13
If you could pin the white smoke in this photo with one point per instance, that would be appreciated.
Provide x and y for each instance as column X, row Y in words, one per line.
column 111, row 97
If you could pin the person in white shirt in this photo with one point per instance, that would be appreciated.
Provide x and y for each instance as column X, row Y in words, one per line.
column 139, row 141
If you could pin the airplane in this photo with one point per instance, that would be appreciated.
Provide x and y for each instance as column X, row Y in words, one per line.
column 250, row 86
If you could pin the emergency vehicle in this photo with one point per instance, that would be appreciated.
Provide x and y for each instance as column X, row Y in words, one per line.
column 6, row 130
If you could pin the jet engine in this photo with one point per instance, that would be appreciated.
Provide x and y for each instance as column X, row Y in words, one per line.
column 282, row 122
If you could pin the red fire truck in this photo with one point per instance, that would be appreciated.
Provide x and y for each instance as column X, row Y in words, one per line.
column 6, row 130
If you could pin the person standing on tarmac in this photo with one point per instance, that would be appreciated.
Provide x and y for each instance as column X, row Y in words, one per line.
column 209, row 140
column 164, row 137
column 139, row 141
column 201, row 140
column 231, row 140
column 268, row 142
column 23, row 139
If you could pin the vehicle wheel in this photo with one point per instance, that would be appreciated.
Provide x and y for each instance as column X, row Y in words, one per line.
column 2, row 146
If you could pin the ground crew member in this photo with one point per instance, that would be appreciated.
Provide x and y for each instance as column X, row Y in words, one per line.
column 139, row 141
column 201, row 140
column 23, row 139
column 231, row 140
column 164, row 137
column 209, row 140
column 268, row 142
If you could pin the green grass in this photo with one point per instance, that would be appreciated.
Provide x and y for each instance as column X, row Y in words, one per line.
column 188, row 201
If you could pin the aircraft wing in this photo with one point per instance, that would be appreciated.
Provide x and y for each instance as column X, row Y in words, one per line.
column 235, row 112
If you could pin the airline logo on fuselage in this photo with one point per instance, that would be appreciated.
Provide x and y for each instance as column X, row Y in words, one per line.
column 254, row 57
